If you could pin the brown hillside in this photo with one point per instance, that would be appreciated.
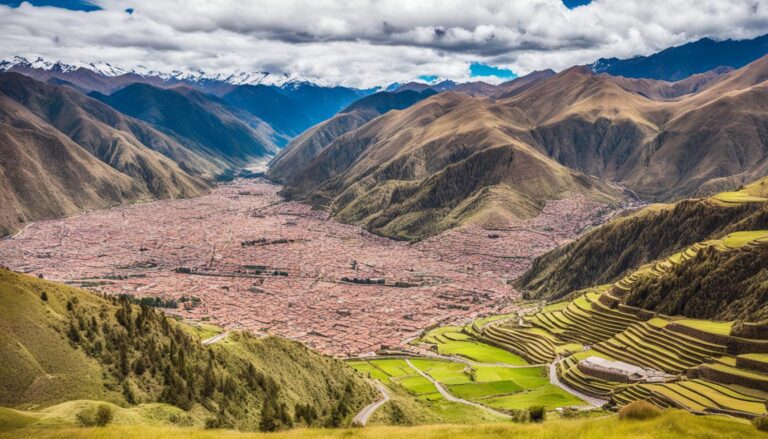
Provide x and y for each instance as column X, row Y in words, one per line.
column 64, row 152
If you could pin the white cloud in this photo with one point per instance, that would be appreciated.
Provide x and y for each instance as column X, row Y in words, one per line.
column 369, row 42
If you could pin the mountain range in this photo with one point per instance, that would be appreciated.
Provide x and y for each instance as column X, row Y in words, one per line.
column 408, row 162
column 676, row 63
column 454, row 157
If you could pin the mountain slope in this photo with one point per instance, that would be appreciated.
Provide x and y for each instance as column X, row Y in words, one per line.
column 563, row 128
column 290, row 111
column 307, row 146
column 59, row 343
column 201, row 122
column 606, row 253
column 680, row 62
column 446, row 160
column 67, row 152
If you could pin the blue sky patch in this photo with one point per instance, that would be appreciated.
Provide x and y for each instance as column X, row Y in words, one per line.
column 428, row 78
column 480, row 69
column 74, row 5
column 570, row 4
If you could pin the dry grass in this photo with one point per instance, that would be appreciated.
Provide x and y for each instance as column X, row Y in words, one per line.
column 639, row 410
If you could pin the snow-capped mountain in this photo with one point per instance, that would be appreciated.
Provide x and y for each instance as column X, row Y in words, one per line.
column 19, row 63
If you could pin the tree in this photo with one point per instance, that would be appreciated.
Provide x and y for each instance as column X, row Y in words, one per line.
column 268, row 416
column 44, row 296
column 537, row 413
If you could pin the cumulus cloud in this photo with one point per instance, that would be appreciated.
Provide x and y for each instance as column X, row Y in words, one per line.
column 369, row 42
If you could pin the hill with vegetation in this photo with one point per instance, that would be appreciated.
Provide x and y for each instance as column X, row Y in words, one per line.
column 673, row 332
column 60, row 344
column 636, row 238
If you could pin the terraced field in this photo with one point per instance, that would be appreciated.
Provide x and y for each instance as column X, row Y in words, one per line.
column 691, row 359
column 659, row 268
column 756, row 192
column 451, row 340
column 692, row 364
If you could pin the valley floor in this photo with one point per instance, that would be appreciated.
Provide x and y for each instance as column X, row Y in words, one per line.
column 244, row 258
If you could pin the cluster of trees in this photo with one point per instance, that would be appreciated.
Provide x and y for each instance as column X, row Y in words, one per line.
column 151, row 357
column 155, row 359
column 155, row 302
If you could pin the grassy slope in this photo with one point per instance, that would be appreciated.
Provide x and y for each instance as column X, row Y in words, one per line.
column 37, row 365
column 40, row 365
column 672, row 424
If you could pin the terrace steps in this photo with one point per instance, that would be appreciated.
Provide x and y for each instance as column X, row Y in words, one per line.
column 535, row 348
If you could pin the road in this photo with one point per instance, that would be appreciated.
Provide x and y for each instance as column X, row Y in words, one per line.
column 449, row 397
column 215, row 338
column 593, row 402
column 362, row 417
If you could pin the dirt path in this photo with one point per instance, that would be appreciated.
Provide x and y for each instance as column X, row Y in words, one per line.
column 362, row 417
column 215, row 338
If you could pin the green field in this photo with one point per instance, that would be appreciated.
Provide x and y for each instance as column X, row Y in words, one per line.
column 548, row 396
column 473, row 391
column 204, row 330
column 428, row 403
column 451, row 341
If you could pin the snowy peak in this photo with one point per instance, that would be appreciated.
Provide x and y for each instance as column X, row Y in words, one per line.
column 186, row 76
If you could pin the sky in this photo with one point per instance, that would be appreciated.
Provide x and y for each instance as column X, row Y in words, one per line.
column 366, row 43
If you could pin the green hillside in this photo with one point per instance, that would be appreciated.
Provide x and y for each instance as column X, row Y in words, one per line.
column 59, row 344
column 629, row 241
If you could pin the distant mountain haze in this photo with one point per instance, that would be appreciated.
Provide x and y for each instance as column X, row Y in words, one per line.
column 680, row 62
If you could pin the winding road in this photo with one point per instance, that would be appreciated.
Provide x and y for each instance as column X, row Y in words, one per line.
column 554, row 380
column 362, row 417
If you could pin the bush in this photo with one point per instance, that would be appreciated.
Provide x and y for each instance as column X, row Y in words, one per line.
column 95, row 418
column 761, row 423
column 639, row 410
column 537, row 413
column 103, row 415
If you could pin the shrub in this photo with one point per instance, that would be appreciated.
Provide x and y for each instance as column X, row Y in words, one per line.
column 103, row 415
column 44, row 296
column 639, row 410
column 537, row 413
column 761, row 423
column 99, row 417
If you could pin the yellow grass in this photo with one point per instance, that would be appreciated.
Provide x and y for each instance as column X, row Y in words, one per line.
column 671, row 424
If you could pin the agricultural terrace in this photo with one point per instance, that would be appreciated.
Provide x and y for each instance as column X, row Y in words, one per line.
column 688, row 362
column 756, row 192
